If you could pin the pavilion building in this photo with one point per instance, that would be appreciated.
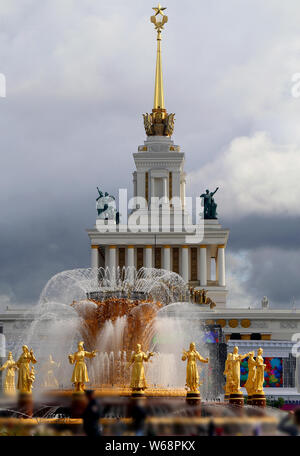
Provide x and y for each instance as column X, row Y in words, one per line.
column 167, row 237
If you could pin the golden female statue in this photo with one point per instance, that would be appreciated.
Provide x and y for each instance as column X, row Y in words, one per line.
column 138, row 380
column 26, row 374
column 236, row 370
column 228, row 373
column 192, row 375
column 49, row 379
column 260, row 370
column 31, row 377
column 250, row 383
column 80, row 373
column 9, row 382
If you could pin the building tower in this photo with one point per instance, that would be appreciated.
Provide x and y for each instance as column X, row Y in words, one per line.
column 159, row 231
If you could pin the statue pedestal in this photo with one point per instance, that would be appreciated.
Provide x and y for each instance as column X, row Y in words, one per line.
column 193, row 398
column 226, row 397
column 193, row 395
column 25, row 404
column 104, row 225
column 79, row 403
column 236, row 399
column 249, row 400
column 138, row 394
column 259, row 400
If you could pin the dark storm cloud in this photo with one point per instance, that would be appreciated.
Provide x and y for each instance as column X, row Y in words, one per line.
column 31, row 253
column 255, row 232
column 52, row 191
column 263, row 259
column 275, row 274
column 79, row 76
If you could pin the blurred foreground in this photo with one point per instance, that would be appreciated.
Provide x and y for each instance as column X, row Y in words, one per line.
column 150, row 418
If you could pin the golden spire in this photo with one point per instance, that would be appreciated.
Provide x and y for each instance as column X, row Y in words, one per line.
column 159, row 102
column 159, row 122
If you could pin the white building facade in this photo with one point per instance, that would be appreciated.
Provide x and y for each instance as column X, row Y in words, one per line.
column 160, row 233
column 158, row 230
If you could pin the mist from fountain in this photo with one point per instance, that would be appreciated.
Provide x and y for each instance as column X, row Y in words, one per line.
column 175, row 327
column 111, row 311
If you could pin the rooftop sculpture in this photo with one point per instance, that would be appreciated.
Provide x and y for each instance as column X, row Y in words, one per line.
column 210, row 206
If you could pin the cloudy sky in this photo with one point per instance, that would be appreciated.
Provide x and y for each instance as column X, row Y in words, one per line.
column 79, row 75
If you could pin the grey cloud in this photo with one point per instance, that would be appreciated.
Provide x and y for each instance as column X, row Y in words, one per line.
column 256, row 232
column 273, row 273
column 79, row 76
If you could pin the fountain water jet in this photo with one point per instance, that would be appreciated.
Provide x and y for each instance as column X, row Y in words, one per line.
column 109, row 310
column 112, row 313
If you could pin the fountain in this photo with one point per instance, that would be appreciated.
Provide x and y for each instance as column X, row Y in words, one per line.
column 111, row 311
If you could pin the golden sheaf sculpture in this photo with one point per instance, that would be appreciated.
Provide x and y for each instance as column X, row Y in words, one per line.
column 157, row 123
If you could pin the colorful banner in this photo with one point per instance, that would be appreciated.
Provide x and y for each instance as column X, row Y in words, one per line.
column 273, row 372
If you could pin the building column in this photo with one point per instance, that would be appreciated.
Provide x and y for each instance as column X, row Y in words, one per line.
column 152, row 187
column 130, row 255
column 208, row 260
column 183, row 193
column 140, row 176
column 185, row 262
column 221, row 265
column 167, row 258
column 130, row 263
column 106, row 256
column 112, row 262
column 148, row 256
column 165, row 183
column 94, row 256
column 203, row 265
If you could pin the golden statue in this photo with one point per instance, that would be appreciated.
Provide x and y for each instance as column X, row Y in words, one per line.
column 192, row 375
column 80, row 373
column 228, row 373
column 138, row 380
column 203, row 296
column 49, row 379
column 236, row 370
column 26, row 375
column 9, row 382
column 200, row 297
column 260, row 370
column 31, row 377
column 250, row 383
